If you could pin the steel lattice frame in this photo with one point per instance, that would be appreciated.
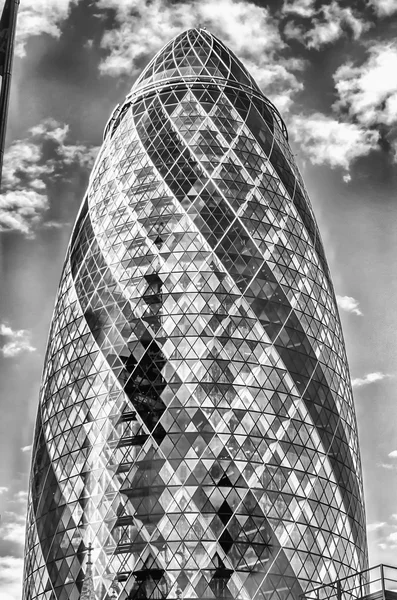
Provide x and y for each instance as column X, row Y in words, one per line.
column 196, row 421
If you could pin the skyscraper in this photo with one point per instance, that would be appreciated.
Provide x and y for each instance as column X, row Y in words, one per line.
column 196, row 422
column 8, row 21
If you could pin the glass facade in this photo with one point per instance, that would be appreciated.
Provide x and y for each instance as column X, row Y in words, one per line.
column 196, row 421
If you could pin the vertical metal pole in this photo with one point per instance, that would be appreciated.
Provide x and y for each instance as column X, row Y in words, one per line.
column 382, row 576
column 6, row 80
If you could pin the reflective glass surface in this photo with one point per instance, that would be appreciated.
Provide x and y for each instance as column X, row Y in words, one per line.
column 196, row 421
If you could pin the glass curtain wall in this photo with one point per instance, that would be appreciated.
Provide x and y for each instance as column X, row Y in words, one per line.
column 196, row 422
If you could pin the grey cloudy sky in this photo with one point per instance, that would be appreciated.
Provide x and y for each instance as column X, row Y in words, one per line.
column 330, row 68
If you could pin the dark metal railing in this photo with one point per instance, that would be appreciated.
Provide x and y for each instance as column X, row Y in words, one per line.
column 376, row 583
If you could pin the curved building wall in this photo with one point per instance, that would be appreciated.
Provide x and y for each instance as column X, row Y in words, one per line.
column 196, row 421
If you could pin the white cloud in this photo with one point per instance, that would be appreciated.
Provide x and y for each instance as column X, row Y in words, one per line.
column 368, row 93
column 293, row 31
column 382, row 546
column 52, row 131
column 55, row 224
column 393, row 454
column 326, row 140
column 369, row 378
column 303, row 8
column 390, row 542
column 327, row 23
column 144, row 26
column 11, row 570
column 22, row 162
column 331, row 23
column 384, row 8
column 21, row 496
column 12, row 528
column 279, row 79
column 387, row 466
column 36, row 17
column 14, row 532
column 367, row 103
column 3, row 490
column 28, row 165
column 16, row 341
column 375, row 526
column 21, row 210
column 349, row 304
column 26, row 448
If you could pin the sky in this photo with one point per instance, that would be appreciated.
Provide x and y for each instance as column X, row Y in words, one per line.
column 330, row 68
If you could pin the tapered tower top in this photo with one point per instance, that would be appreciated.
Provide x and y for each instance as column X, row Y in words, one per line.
column 196, row 55
column 196, row 52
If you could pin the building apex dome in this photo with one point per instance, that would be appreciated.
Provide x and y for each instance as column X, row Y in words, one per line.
column 195, row 53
